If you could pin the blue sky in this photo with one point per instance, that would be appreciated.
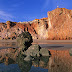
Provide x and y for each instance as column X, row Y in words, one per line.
column 28, row 10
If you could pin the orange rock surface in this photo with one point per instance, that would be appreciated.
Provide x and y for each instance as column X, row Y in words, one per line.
column 60, row 61
column 60, row 24
column 57, row 26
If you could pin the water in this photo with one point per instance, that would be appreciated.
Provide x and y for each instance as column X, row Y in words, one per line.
column 59, row 61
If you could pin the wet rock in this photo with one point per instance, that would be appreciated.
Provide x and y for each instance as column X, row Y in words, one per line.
column 36, row 50
column 33, row 50
column 44, row 52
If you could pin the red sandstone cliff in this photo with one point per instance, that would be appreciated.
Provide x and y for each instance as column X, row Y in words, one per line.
column 57, row 26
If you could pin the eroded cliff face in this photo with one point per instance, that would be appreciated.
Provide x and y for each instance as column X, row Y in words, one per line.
column 58, row 26
column 38, row 28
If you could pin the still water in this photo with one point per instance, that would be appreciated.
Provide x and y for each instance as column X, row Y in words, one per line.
column 59, row 61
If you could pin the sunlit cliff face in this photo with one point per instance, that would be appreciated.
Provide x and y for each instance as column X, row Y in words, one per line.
column 60, row 26
column 42, row 30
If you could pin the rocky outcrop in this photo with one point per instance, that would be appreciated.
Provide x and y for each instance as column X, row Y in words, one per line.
column 26, row 48
column 11, row 30
column 57, row 26
column 60, row 24
column 24, row 40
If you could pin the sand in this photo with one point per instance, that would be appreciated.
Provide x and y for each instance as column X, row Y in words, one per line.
column 43, row 43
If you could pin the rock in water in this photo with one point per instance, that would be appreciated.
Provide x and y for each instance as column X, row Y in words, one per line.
column 36, row 50
column 33, row 50
column 44, row 52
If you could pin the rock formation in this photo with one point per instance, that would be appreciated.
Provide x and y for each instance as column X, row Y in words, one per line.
column 57, row 26
column 26, row 48
column 60, row 26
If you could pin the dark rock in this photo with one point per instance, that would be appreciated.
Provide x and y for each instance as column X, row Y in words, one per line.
column 24, row 40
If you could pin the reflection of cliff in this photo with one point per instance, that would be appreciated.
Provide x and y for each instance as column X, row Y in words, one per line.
column 58, row 26
column 13, row 56
column 60, row 61
column 9, row 55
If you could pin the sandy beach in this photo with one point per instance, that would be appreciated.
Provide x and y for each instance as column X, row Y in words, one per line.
column 43, row 43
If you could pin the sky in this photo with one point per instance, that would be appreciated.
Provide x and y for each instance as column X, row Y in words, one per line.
column 28, row 10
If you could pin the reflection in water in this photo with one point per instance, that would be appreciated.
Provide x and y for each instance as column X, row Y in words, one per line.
column 41, row 62
column 9, row 68
column 8, row 45
column 60, row 61
column 25, row 66
column 38, row 69
column 11, row 60
column 12, row 57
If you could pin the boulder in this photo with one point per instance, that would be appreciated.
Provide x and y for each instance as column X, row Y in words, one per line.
column 33, row 50
column 36, row 50
column 24, row 40
column 44, row 52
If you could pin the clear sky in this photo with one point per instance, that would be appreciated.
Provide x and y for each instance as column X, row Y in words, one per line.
column 28, row 10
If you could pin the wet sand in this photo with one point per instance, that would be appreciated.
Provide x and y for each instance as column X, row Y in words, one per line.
column 52, row 41
column 50, row 44
column 43, row 41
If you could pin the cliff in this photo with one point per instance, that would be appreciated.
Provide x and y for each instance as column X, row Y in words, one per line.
column 57, row 26
column 60, row 24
